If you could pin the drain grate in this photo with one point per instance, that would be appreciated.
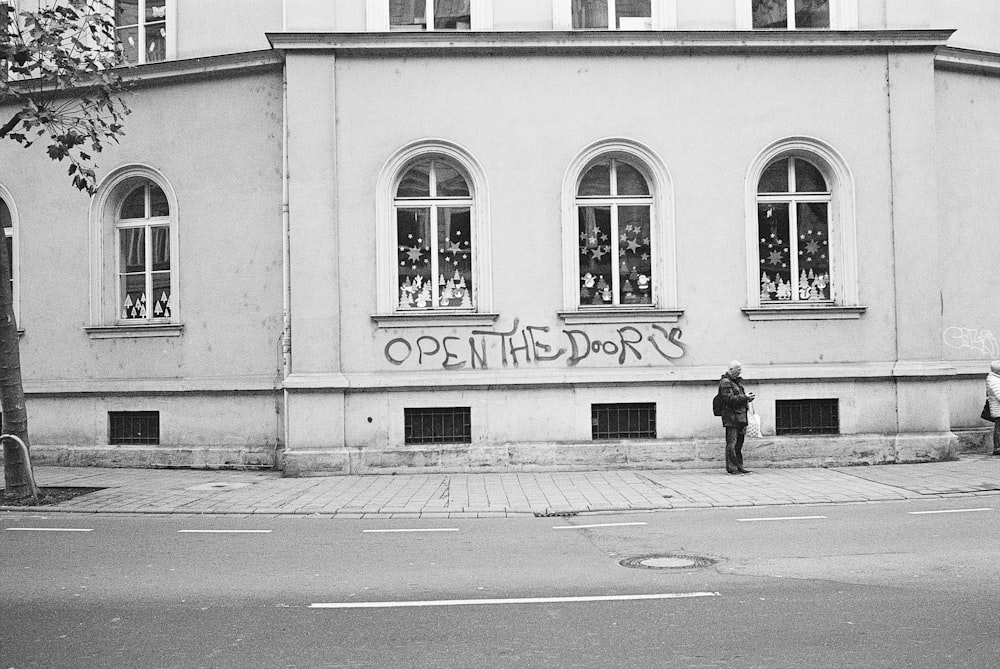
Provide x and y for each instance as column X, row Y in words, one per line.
column 667, row 561
column 556, row 514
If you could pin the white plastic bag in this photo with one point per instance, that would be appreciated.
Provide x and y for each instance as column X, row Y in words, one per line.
column 753, row 424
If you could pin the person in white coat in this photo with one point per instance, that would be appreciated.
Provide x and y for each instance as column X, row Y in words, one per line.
column 993, row 397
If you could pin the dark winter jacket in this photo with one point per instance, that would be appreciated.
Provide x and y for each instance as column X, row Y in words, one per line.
column 734, row 401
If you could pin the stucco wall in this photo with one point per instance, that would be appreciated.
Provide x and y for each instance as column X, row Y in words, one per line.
column 706, row 118
column 218, row 144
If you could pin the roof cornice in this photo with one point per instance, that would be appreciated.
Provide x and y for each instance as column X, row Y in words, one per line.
column 640, row 42
column 967, row 60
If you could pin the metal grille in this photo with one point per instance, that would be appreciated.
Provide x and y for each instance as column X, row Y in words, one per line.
column 623, row 421
column 807, row 417
column 134, row 427
column 438, row 425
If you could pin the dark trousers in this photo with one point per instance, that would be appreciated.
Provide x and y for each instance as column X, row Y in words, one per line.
column 996, row 437
column 734, row 448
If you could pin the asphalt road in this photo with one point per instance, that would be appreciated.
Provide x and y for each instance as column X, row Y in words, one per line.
column 904, row 584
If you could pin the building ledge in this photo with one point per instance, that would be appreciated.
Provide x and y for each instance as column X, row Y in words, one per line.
column 621, row 315
column 512, row 42
column 134, row 331
column 967, row 60
column 423, row 319
column 804, row 313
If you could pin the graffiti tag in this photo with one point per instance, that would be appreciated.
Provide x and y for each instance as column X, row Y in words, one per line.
column 536, row 344
column 978, row 340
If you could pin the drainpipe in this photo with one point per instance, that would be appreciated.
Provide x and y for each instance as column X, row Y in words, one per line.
column 286, row 272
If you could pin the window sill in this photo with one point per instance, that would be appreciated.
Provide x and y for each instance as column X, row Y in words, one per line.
column 127, row 331
column 431, row 319
column 621, row 315
column 803, row 313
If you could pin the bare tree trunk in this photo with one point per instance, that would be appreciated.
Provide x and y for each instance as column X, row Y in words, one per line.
column 18, row 482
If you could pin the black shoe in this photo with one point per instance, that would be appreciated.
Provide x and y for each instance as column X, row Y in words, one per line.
column 733, row 472
column 996, row 453
column 742, row 471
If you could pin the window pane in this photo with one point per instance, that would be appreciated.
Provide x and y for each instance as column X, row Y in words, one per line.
column 134, row 205
column 770, row 14
column 595, row 256
column 126, row 12
column 407, row 15
column 590, row 14
column 635, row 262
column 630, row 181
column 5, row 220
column 449, row 182
column 452, row 15
column 775, row 178
column 133, row 249
column 416, row 182
column 414, row 255
column 775, row 269
column 454, row 284
column 812, row 13
column 632, row 9
column 161, row 247
column 158, row 202
column 597, row 180
column 133, row 287
column 129, row 40
column 807, row 178
column 156, row 10
column 161, row 295
column 9, row 242
column 156, row 43
column 814, row 251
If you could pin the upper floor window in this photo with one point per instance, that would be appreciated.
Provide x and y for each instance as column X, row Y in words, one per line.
column 430, row 15
column 801, row 233
column 791, row 14
column 141, row 26
column 612, row 14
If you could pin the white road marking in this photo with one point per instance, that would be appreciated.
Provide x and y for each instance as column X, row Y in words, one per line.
column 918, row 513
column 584, row 527
column 521, row 600
column 224, row 531
column 753, row 520
column 421, row 529
column 47, row 529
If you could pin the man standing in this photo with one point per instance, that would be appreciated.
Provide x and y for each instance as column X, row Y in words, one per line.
column 734, row 415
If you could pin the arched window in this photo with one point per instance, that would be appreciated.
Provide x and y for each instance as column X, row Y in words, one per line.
column 142, row 229
column 134, row 256
column 433, row 238
column 614, row 210
column 618, row 238
column 801, row 233
column 8, row 221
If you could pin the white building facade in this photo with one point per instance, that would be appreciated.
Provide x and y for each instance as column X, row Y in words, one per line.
column 361, row 236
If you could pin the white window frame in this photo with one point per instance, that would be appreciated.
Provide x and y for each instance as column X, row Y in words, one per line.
column 664, row 15
column 386, row 270
column 15, row 253
column 377, row 16
column 170, row 26
column 105, row 308
column 843, row 15
column 844, row 290
column 662, row 235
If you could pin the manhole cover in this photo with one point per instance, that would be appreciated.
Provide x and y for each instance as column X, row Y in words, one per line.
column 667, row 562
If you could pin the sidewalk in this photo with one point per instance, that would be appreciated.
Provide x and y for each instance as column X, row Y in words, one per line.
column 157, row 491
